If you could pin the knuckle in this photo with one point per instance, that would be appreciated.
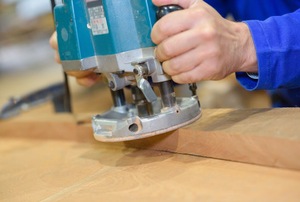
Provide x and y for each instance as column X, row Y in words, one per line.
column 174, row 65
column 168, row 69
column 155, row 34
column 162, row 27
column 167, row 50
column 208, row 33
column 199, row 12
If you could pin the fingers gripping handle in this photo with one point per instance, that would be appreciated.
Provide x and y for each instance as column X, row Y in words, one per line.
column 161, row 12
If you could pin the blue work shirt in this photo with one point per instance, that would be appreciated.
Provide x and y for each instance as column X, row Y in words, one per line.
column 275, row 29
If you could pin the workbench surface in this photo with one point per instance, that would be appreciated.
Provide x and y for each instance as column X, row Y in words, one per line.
column 37, row 165
column 58, row 161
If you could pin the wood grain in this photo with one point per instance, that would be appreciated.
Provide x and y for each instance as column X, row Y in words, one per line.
column 64, row 170
column 50, row 157
column 269, row 137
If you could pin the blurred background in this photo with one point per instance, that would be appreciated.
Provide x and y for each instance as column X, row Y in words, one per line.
column 24, row 33
column 27, row 64
column 26, row 59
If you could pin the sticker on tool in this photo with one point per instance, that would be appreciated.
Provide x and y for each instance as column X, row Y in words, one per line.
column 98, row 22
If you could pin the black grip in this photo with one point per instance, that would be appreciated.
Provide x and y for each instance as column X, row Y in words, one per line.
column 164, row 10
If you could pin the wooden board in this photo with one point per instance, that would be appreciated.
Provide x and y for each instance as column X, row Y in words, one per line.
column 37, row 164
column 269, row 137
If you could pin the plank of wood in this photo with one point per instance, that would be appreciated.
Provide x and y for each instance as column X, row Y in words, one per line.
column 51, row 169
column 47, row 126
column 269, row 137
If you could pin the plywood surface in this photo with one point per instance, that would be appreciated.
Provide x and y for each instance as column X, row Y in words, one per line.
column 68, row 170
column 269, row 137
column 53, row 157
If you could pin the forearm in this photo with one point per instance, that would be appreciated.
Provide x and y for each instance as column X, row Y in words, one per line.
column 277, row 45
column 245, row 49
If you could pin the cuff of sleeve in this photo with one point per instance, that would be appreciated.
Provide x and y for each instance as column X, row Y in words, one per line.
column 253, row 75
column 261, row 46
column 246, row 81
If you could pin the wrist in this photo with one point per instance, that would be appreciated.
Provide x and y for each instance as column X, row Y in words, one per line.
column 246, row 52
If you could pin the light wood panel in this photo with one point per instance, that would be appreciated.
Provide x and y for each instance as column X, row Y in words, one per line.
column 51, row 169
column 269, row 137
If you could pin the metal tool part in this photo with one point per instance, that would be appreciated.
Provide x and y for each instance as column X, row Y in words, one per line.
column 144, row 84
column 123, row 126
column 112, row 37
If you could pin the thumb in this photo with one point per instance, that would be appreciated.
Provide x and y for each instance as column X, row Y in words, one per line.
column 184, row 4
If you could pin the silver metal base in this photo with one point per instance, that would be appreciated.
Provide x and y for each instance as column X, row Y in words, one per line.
column 109, row 63
column 123, row 123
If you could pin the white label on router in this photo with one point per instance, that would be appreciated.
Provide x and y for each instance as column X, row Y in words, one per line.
column 98, row 20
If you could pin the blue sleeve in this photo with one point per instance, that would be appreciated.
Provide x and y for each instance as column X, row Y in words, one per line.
column 277, row 44
column 220, row 5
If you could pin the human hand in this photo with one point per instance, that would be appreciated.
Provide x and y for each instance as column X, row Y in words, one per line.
column 197, row 43
column 86, row 78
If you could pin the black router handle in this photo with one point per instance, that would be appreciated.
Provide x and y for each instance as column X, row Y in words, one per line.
column 164, row 10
